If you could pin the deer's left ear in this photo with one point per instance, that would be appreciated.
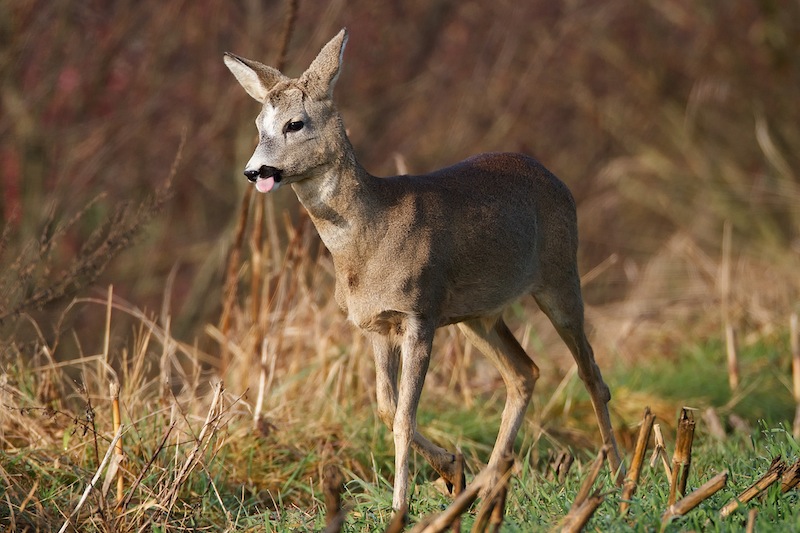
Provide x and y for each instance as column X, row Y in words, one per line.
column 320, row 78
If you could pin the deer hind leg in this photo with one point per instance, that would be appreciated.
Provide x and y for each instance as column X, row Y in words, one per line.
column 387, row 363
column 493, row 338
column 563, row 305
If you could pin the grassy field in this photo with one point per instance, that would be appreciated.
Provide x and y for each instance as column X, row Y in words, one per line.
column 132, row 260
column 202, row 455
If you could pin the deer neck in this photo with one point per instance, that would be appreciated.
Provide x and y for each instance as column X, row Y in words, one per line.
column 340, row 200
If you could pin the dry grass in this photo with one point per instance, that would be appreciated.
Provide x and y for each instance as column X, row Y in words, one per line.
column 664, row 149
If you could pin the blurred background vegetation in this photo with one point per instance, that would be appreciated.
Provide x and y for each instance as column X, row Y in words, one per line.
column 670, row 120
column 122, row 142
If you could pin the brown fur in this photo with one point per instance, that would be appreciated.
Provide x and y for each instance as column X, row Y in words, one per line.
column 414, row 253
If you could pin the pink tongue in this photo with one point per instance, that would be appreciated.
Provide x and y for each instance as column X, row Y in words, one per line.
column 265, row 185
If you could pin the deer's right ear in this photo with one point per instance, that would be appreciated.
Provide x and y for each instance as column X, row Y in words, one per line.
column 256, row 78
column 321, row 76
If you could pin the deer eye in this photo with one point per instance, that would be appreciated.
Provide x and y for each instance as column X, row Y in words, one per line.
column 294, row 125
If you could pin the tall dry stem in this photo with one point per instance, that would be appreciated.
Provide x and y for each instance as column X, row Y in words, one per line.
column 794, row 342
column 682, row 458
column 632, row 479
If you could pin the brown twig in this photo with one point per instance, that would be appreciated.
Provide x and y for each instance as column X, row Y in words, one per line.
column 577, row 518
column 458, row 487
column 660, row 451
column 791, row 477
column 632, row 479
column 94, row 480
column 490, row 514
column 772, row 475
column 690, row 501
column 682, row 458
column 147, row 466
column 586, row 487
column 445, row 519
column 116, row 418
column 332, row 485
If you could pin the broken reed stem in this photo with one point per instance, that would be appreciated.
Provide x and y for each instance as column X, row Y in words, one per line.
column 682, row 458
column 791, row 477
column 583, row 493
column 461, row 503
column 94, row 480
column 690, row 501
column 772, row 475
column 660, row 451
column 576, row 520
column 490, row 514
column 632, row 479
column 794, row 342
column 116, row 419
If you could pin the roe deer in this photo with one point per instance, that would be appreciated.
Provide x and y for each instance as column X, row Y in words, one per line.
column 414, row 253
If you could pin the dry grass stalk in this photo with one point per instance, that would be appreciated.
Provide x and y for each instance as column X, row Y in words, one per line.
column 682, row 458
column 332, row 486
column 577, row 518
column 116, row 419
column 94, row 480
column 583, row 493
column 725, row 296
column 714, row 424
column 791, row 477
column 772, row 475
column 751, row 520
column 256, row 239
column 461, row 503
column 690, row 501
column 794, row 341
column 632, row 479
column 266, row 375
column 560, row 466
column 660, row 451
column 201, row 443
column 232, row 276
column 103, row 364
column 460, row 484
column 733, row 357
column 490, row 514
column 147, row 466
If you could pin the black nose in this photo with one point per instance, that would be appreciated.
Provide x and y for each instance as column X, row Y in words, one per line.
column 252, row 175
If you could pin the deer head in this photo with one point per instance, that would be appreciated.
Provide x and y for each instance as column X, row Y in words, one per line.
column 299, row 130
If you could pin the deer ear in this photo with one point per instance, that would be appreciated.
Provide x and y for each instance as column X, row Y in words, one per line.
column 256, row 78
column 321, row 76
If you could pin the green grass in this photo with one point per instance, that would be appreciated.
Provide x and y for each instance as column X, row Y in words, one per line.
column 247, row 481
column 698, row 378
